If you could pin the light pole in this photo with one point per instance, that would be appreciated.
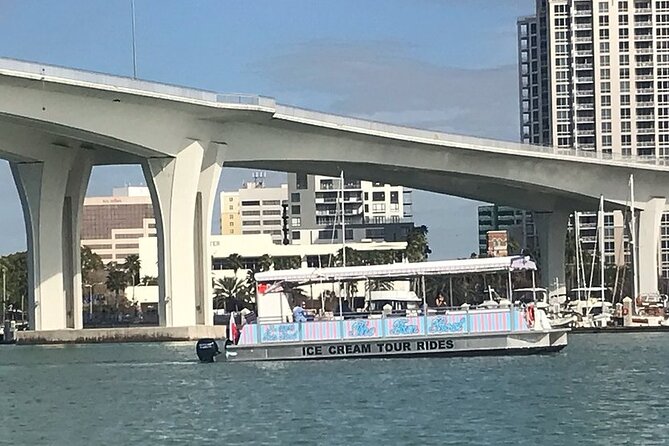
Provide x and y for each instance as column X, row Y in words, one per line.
column 4, row 293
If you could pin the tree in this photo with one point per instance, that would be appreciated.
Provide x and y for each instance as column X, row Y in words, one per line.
column 231, row 294
column 132, row 267
column 288, row 262
column 234, row 262
column 264, row 263
column 16, row 278
column 90, row 263
column 417, row 249
column 117, row 280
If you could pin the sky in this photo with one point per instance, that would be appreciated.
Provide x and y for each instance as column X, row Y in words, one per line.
column 446, row 65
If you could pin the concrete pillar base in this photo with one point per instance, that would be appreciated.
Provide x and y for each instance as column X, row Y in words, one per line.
column 650, row 219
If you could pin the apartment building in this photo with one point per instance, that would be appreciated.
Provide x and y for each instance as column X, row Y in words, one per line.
column 372, row 211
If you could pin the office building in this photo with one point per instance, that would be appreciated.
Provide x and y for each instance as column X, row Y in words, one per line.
column 112, row 226
column 255, row 209
column 372, row 211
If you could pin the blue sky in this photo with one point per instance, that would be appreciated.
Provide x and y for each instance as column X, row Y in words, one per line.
column 441, row 64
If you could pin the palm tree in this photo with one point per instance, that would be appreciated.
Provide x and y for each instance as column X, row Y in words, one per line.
column 264, row 263
column 417, row 248
column 117, row 280
column 235, row 262
column 132, row 266
column 289, row 262
column 231, row 293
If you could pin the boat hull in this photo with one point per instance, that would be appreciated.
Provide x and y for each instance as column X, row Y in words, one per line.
column 504, row 343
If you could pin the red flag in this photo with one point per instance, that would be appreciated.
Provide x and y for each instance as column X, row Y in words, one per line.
column 233, row 330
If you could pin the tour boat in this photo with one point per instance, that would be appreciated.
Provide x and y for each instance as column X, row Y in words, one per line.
column 407, row 328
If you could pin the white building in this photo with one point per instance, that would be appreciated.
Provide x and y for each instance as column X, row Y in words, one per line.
column 594, row 76
column 372, row 211
column 255, row 209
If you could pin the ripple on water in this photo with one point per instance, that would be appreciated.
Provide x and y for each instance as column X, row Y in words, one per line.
column 603, row 389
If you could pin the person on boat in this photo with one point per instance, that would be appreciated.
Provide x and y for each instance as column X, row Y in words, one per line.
column 299, row 313
column 440, row 301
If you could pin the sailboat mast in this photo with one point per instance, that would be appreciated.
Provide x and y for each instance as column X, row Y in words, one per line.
column 577, row 241
column 601, row 243
column 343, row 223
column 635, row 260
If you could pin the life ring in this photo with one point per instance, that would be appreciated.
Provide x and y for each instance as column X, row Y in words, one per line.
column 626, row 311
column 529, row 314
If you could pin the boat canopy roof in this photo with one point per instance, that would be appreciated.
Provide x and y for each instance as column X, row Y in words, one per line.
column 398, row 270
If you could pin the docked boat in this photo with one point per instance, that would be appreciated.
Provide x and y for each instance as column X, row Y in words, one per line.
column 392, row 324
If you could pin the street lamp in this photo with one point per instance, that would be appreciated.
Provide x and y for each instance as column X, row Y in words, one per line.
column 90, row 297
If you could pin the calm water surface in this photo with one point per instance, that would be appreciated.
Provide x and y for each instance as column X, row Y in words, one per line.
column 602, row 389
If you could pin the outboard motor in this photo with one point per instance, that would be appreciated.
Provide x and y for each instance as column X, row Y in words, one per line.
column 207, row 349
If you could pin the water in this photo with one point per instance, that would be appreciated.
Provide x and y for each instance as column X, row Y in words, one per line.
column 602, row 389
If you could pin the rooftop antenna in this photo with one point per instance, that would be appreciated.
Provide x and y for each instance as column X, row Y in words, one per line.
column 134, row 46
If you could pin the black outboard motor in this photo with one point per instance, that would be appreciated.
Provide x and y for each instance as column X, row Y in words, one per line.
column 207, row 349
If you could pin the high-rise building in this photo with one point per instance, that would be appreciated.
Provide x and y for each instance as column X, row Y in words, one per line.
column 518, row 224
column 594, row 75
column 616, row 237
column 255, row 209
column 372, row 211
column 112, row 226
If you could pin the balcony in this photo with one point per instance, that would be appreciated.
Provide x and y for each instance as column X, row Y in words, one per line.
column 589, row 106
column 582, row 13
column 585, row 79
column 589, row 132
column 645, row 130
column 643, row 23
column 582, row 26
column 585, row 92
column 584, row 66
column 583, row 39
column 645, row 144
column 643, row 37
column 644, row 77
column 639, row 11
column 645, row 104
column 585, row 119
column 645, row 117
column 644, row 90
column 643, row 63
column 583, row 53
column 644, row 50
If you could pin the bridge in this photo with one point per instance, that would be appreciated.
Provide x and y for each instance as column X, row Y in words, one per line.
column 56, row 123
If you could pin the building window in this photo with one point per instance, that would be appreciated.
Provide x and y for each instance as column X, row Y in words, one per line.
column 271, row 212
column 295, row 209
column 327, row 184
column 271, row 202
column 301, row 181
column 251, row 203
column 379, row 207
column 295, row 235
column 251, row 223
column 250, row 213
column 378, row 196
column 296, row 222
column 394, row 197
column 295, row 197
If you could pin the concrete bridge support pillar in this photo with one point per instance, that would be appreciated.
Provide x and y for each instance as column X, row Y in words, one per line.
column 552, row 233
column 51, row 194
column 182, row 190
column 649, row 239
